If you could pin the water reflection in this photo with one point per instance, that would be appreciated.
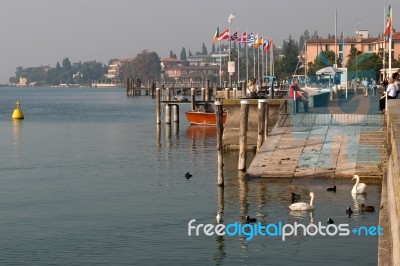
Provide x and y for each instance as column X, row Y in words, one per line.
column 303, row 214
column 17, row 124
column 220, row 253
column 243, row 190
column 358, row 199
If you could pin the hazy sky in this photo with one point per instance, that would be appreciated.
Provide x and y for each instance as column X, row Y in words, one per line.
column 39, row 32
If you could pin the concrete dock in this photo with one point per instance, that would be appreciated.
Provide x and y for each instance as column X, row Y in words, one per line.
column 333, row 151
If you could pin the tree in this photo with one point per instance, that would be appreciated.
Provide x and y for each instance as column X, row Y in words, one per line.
column 303, row 38
column 171, row 54
column 286, row 65
column 183, row 54
column 66, row 64
column 147, row 66
column 324, row 59
column 213, row 48
column 190, row 53
column 204, row 49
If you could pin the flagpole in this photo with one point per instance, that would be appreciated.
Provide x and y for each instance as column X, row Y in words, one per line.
column 220, row 64
column 262, row 62
column 247, row 59
column 229, row 60
column 238, row 59
column 266, row 61
column 390, row 50
column 384, row 45
column 254, row 60
column 258, row 61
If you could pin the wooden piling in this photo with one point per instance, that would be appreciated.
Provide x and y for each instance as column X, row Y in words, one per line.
column 175, row 108
column 193, row 98
column 226, row 93
column 220, row 148
column 158, row 105
column 234, row 93
column 267, row 123
column 167, row 114
column 203, row 94
column 244, row 115
column 207, row 88
column 168, row 94
column 261, row 123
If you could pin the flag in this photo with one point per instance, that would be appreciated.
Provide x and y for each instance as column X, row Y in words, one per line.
column 216, row 35
column 231, row 16
column 250, row 38
column 242, row 38
column 267, row 45
column 224, row 35
column 388, row 30
column 259, row 42
column 233, row 37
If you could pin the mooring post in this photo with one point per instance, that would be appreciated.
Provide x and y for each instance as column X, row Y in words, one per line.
column 261, row 122
column 193, row 98
column 226, row 93
column 168, row 94
column 244, row 114
column 175, row 108
column 220, row 148
column 266, row 121
column 203, row 94
column 158, row 105
column 167, row 114
column 153, row 87
column 207, row 85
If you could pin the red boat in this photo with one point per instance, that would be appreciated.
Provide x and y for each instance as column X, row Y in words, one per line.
column 204, row 115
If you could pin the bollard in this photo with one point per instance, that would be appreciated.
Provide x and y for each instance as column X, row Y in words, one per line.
column 226, row 93
column 168, row 94
column 203, row 94
column 167, row 114
column 158, row 106
column 261, row 123
column 175, row 108
column 220, row 148
column 234, row 93
column 193, row 98
column 207, row 85
column 244, row 114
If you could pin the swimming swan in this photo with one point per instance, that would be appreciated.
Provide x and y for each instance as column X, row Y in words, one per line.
column 302, row 206
column 358, row 187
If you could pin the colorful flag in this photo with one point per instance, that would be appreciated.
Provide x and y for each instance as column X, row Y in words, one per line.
column 233, row 37
column 224, row 35
column 216, row 35
column 267, row 45
column 259, row 42
column 388, row 30
column 242, row 38
column 231, row 16
column 250, row 38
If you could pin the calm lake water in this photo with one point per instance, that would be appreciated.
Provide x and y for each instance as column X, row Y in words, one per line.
column 86, row 179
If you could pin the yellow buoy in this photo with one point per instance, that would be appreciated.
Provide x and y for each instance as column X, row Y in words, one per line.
column 17, row 114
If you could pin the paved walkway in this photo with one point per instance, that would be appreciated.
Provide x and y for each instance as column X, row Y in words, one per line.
column 337, row 141
column 334, row 151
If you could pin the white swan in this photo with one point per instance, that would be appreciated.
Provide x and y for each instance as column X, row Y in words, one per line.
column 302, row 206
column 358, row 187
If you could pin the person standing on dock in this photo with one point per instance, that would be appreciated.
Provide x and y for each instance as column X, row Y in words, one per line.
column 294, row 89
column 391, row 92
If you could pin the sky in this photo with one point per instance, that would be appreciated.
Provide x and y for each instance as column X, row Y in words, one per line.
column 41, row 32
